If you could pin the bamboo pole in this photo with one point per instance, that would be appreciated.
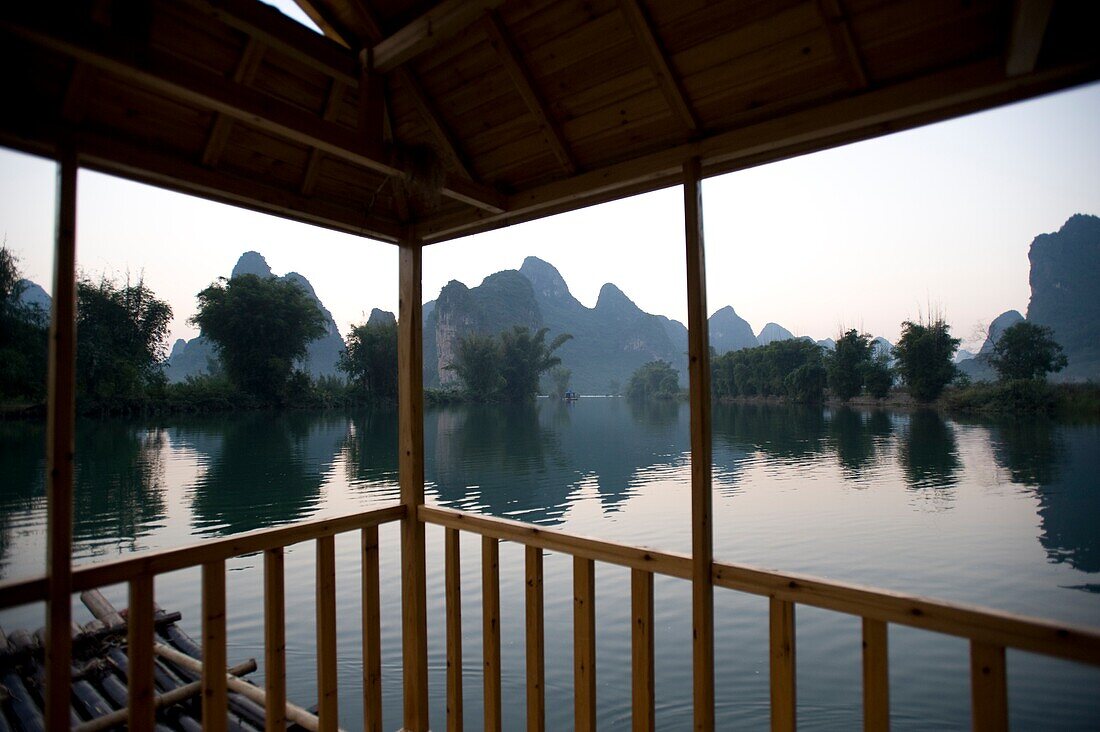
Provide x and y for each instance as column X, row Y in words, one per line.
column 139, row 645
column 453, row 590
column 410, row 388
column 876, row 677
column 702, row 543
column 372, row 633
column 327, row 700
column 215, row 701
column 60, row 429
column 643, row 716
column 536, row 643
column 274, row 641
column 584, row 645
column 490, row 620
column 782, row 656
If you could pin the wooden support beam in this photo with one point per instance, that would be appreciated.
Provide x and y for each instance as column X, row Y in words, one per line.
column 536, row 642
column 60, row 429
column 410, row 417
column 511, row 59
column 76, row 94
column 643, row 716
column 490, row 631
column 584, row 645
column 876, row 676
column 247, row 68
column 702, row 542
column 988, row 688
column 782, row 664
column 844, row 42
column 453, row 589
column 192, row 86
column 372, row 102
column 215, row 699
column 274, row 641
column 1029, row 25
column 313, row 165
column 139, row 646
column 328, row 708
column 442, row 22
column 434, row 120
column 667, row 79
column 372, row 632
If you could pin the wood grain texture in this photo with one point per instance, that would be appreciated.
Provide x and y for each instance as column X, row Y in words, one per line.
column 988, row 687
column 643, row 715
column 452, row 570
column 328, row 708
column 584, row 645
column 139, row 647
column 876, row 676
column 274, row 641
column 372, row 631
column 536, row 641
column 215, row 706
column 782, row 665
column 490, row 631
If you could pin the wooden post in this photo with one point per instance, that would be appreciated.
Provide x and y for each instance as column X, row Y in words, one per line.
column 536, row 643
column 410, row 388
column 372, row 633
column 139, row 646
column 641, row 647
column 61, row 418
column 876, row 677
column 988, row 687
column 328, row 709
column 702, row 549
column 215, row 699
column 274, row 641
column 453, row 581
column 584, row 645
column 782, row 647
column 490, row 623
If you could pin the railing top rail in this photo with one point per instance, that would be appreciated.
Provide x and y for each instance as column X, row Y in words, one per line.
column 33, row 589
column 966, row 621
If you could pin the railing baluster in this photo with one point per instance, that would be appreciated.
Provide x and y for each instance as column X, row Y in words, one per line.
column 215, row 702
column 781, row 615
column 453, row 572
column 327, row 707
column 490, row 619
column 876, row 677
column 274, row 641
column 372, row 633
column 536, row 644
column 139, row 643
column 584, row 644
column 641, row 645
column 988, row 687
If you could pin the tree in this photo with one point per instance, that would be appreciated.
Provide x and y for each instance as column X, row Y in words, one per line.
column 848, row 363
column 654, row 380
column 260, row 327
column 477, row 363
column 121, row 339
column 524, row 358
column 878, row 377
column 806, row 383
column 370, row 359
column 23, row 336
column 924, row 355
column 561, row 376
column 1027, row 351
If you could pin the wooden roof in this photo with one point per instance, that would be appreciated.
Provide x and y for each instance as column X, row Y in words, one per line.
column 531, row 107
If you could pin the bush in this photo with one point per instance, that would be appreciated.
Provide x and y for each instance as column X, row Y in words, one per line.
column 924, row 355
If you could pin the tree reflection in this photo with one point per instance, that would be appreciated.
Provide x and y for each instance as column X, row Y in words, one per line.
column 853, row 441
column 928, row 452
column 370, row 447
column 23, row 472
column 786, row 432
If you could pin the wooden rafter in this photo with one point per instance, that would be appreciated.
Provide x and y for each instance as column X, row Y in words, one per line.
column 192, row 86
column 442, row 22
column 76, row 94
column 667, row 79
column 247, row 68
column 510, row 58
column 309, row 179
column 1029, row 25
column 844, row 43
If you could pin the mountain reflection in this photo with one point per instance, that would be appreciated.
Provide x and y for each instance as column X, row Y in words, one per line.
column 929, row 453
column 260, row 469
column 370, row 448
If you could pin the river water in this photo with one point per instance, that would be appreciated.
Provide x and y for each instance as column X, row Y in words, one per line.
column 1002, row 514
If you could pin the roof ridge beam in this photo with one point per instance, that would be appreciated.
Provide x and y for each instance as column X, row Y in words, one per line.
column 667, row 80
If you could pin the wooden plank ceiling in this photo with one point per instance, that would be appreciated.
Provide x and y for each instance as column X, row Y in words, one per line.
column 442, row 119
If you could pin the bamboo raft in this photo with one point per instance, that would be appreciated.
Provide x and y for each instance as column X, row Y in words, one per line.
column 99, row 678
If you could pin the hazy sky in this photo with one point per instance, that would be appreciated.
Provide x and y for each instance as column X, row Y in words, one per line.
column 861, row 236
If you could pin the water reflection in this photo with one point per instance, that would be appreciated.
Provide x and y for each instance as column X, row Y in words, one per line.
column 370, row 448
column 787, row 433
column 929, row 454
column 260, row 469
column 22, row 477
column 853, row 442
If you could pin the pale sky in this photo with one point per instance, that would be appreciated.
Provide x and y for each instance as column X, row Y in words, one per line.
column 862, row 236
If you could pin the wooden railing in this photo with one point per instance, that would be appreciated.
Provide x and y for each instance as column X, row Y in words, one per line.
column 140, row 570
column 989, row 632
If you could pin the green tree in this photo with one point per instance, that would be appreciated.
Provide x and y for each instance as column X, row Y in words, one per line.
column 526, row 356
column 767, row 371
column 806, row 383
column 924, row 353
column 878, row 377
column 260, row 327
column 370, row 359
column 1027, row 351
column 561, row 376
column 847, row 364
column 121, row 340
column 478, row 364
column 23, row 336
column 654, row 380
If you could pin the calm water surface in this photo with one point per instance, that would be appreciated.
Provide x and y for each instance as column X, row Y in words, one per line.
column 1000, row 514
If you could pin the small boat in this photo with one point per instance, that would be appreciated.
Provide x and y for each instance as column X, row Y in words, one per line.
column 571, row 396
